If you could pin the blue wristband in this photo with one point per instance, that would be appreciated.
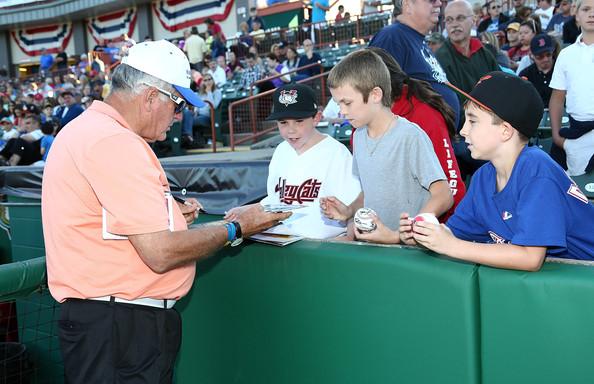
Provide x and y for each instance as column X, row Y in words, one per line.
column 230, row 231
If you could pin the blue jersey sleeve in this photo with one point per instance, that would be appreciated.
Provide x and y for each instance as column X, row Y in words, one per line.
column 541, row 215
column 464, row 223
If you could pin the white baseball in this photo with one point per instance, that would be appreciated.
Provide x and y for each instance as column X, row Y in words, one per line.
column 427, row 217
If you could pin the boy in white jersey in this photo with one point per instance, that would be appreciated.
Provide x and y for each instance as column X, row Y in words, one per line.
column 394, row 159
column 306, row 166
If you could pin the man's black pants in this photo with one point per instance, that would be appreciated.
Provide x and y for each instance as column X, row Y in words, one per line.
column 105, row 342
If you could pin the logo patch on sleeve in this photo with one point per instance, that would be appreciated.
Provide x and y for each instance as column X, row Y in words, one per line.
column 575, row 191
column 496, row 238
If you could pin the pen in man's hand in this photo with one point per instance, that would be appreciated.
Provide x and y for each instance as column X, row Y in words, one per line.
column 185, row 202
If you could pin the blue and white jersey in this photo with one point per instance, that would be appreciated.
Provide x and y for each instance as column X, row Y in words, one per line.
column 539, row 206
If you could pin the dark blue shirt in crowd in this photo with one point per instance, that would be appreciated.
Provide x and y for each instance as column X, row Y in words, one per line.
column 311, row 71
column 409, row 49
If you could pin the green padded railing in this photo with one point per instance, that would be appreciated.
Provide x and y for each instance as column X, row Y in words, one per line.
column 20, row 279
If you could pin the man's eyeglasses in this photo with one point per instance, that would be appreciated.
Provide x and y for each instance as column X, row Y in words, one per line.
column 543, row 56
column 458, row 19
column 180, row 103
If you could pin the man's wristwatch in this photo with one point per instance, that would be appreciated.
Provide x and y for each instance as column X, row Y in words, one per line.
column 234, row 235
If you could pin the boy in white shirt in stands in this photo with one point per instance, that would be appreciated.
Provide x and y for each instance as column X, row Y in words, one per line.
column 573, row 85
column 306, row 166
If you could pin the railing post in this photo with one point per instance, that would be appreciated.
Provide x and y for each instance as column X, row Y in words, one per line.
column 231, row 128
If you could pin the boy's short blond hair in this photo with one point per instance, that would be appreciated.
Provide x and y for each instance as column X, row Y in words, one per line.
column 362, row 70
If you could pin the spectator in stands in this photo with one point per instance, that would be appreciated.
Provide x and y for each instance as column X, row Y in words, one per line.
column 347, row 17
column 527, row 32
column 496, row 19
column 435, row 41
column 275, row 69
column 254, row 17
column 252, row 71
column 217, row 47
column 244, row 35
column 83, row 65
column 518, row 4
column 308, row 57
column 195, row 48
column 8, row 131
column 292, row 61
column 405, row 41
column 24, row 150
column 257, row 32
column 216, row 71
column 340, row 15
column 319, row 9
column 48, row 129
column 46, row 61
column 208, row 91
column 234, row 64
column 275, row 50
column 571, row 30
column 463, row 58
column 417, row 102
column 69, row 110
column 540, row 73
column 215, row 30
column 512, row 33
column 559, row 19
column 491, row 43
column 259, row 60
column 222, row 63
column 545, row 12
column 47, row 111
column 61, row 61
column 572, row 84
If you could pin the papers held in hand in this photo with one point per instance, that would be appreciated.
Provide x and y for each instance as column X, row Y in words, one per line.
column 281, row 207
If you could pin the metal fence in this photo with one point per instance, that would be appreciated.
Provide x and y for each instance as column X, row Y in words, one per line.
column 247, row 117
column 325, row 34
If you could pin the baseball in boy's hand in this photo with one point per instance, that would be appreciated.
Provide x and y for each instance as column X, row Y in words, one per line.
column 427, row 217
column 364, row 220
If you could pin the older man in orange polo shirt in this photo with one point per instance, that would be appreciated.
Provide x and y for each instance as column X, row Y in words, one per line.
column 119, row 253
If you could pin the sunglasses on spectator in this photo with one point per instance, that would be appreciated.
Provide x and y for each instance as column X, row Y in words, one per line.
column 179, row 102
column 458, row 19
column 208, row 79
column 495, row 7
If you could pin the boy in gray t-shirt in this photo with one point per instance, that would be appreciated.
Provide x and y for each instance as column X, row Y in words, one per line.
column 394, row 158
column 396, row 170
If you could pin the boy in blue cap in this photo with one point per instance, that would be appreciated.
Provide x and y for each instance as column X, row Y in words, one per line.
column 521, row 206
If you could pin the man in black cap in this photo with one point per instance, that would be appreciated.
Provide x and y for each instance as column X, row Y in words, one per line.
column 306, row 166
column 541, row 71
column 521, row 206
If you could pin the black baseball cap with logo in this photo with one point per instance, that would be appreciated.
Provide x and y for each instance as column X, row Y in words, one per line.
column 293, row 101
column 511, row 98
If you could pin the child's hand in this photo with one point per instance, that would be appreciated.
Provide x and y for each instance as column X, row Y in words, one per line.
column 381, row 234
column 436, row 237
column 335, row 209
column 406, row 230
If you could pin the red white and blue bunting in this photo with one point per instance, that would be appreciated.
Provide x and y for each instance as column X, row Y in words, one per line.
column 54, row 38
column 175, row 15
column 113, row 27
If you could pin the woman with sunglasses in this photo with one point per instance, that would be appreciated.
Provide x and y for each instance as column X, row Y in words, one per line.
column 496, row 19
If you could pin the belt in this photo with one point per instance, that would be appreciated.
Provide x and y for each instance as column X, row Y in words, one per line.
column 146, row 301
